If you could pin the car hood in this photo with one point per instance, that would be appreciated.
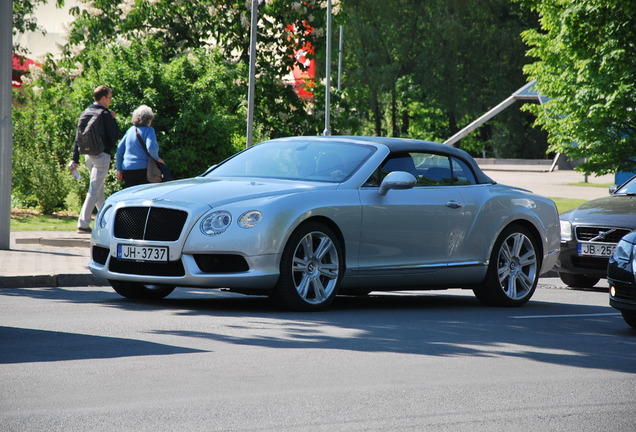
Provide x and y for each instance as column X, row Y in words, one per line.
column 216, row 191
column 618, row 210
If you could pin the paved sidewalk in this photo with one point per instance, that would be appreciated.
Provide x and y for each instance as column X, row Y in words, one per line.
column 46, row 258
column 54, row 258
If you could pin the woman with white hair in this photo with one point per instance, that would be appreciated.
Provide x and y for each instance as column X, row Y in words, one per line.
column 131, row 158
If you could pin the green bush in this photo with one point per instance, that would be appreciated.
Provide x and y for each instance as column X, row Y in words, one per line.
column 198, row 101
column 40, row 147
column 198, row 105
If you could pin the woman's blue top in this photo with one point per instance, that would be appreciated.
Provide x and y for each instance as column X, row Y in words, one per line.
column 130, row 155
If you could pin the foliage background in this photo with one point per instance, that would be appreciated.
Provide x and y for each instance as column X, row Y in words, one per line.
column 410, row 68
column 586, row 61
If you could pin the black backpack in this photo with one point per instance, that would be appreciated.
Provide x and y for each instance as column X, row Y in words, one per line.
column 90, row 130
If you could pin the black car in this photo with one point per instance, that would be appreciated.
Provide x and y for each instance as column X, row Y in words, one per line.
column 590, row 232
column 620, row 275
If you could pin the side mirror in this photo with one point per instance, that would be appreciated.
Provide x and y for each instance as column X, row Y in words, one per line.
column 397, row 180
column 612, row 189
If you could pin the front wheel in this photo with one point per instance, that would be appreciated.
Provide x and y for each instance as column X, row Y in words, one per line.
column 513, row 271
column 310, row 270
column 629, row 317
column 139, row 291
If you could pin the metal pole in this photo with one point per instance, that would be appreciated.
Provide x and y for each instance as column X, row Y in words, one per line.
column 340, row 57
column 481, row 120
column 327, row 130
column 252, row 72
column 6, row 127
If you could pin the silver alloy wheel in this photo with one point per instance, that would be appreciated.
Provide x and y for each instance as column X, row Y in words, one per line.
column 517, row 266
column 315, row 267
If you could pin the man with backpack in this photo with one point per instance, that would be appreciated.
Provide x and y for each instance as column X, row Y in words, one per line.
column 97, row 134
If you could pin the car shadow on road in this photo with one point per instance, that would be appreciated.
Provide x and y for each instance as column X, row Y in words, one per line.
column 23, row 345
column 447, row 324
column 424, row 323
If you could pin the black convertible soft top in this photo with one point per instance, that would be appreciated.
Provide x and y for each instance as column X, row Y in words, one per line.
column 397, row 145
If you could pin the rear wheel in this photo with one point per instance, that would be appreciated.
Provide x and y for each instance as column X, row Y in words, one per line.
column 310, row 269
column 578, row 281
column 136, row 290
column 629, row 317
column 513, row 271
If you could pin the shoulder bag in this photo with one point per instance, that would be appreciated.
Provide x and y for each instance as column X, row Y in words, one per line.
column 156, row 172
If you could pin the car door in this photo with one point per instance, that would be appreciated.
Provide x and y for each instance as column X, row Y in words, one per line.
column 416, row 229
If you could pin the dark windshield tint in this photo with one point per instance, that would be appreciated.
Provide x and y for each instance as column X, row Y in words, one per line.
column 296, row 160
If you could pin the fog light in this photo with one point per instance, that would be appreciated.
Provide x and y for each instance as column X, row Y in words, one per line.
column 612, row 291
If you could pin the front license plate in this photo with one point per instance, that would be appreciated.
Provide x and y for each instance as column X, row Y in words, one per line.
column 589, row 249
column 142, row 253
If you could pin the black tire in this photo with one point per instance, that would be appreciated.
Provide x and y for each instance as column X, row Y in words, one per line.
column 630, row 318
column 578, row 281
column 139, row 291
column 311, row 268
column 513, row 271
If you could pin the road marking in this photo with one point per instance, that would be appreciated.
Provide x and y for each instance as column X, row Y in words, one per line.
column 565, row 316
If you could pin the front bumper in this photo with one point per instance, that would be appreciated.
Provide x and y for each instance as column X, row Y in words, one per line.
column 622, row 295
column 570, row 262
column 258, row 272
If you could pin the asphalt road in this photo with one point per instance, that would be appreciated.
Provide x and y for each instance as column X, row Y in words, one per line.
column 78, row 359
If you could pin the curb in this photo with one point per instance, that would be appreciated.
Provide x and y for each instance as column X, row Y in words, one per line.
column 60, row 280
column 60, row 242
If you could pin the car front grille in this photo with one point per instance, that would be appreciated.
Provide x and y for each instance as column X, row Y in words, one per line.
column 170, row 268
column 149, row 223
column 599, row 234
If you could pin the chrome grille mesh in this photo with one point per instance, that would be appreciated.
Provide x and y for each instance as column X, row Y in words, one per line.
column 149, row 223
column 600, row 234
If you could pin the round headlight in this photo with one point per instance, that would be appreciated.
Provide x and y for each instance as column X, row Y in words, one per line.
column 250, row 218
column 216, row 223
column 105, row 217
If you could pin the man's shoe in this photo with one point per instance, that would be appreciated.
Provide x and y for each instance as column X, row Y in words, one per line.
column 84, row 230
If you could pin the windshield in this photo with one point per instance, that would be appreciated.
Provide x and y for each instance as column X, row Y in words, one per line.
column 296, row 160
column 628, row 188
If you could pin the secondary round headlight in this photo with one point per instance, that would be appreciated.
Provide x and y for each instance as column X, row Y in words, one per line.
column 105, row 217
column 216, row 223
column 250, row 218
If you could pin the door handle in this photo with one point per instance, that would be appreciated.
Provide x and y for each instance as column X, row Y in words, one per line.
column 454, row 204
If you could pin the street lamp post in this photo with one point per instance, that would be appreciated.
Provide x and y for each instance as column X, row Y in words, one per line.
column 327, row 130
column 6, row 127
column 252, row 72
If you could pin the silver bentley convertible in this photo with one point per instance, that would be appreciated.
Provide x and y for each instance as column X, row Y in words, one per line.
column 305, row 219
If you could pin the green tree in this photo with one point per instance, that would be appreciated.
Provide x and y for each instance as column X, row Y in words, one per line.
column 180, row 26
column 586, row 62
column 199, row 117
column 426, row 69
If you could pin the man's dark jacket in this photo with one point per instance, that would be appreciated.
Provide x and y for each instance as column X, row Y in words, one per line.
column 110, row 129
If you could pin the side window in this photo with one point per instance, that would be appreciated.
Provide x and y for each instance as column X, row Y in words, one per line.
column 462, row 174
column 441, row 170
column 395, row 162
column 435, row 170
column 428, row 168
